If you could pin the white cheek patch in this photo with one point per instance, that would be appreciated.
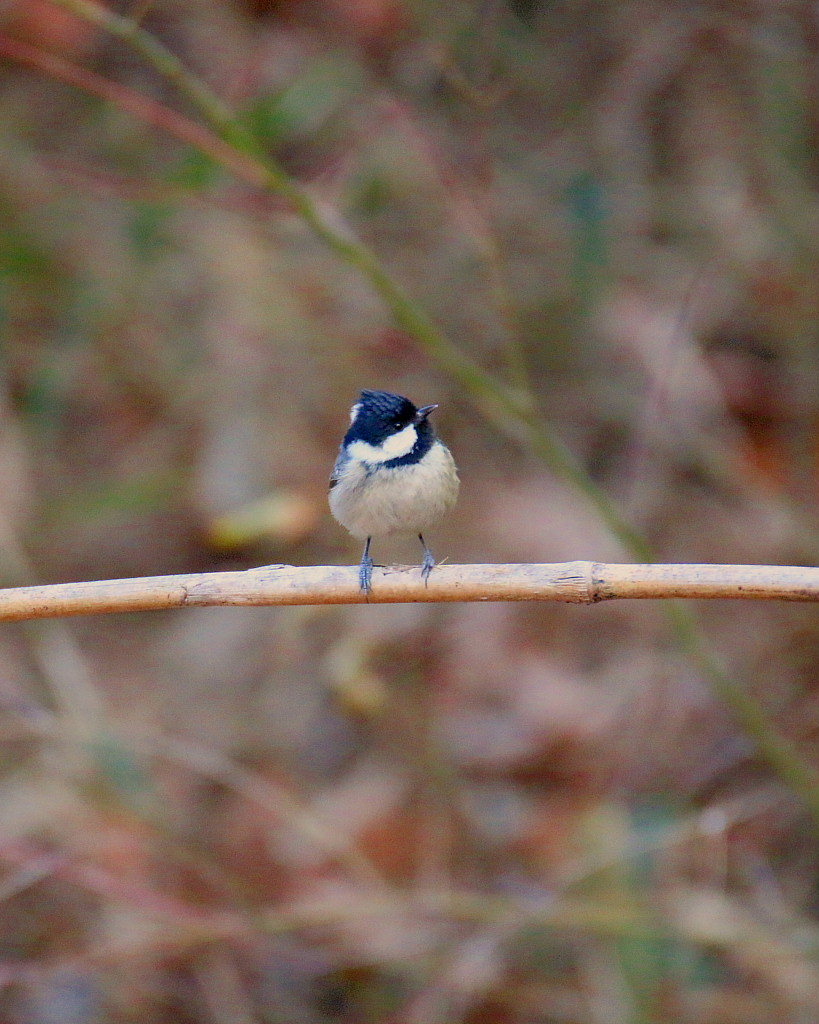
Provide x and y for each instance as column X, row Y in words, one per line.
column 393, row 447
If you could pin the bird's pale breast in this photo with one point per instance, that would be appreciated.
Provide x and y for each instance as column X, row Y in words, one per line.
column 373, row 501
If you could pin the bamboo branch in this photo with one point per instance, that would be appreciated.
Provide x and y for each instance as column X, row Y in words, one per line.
column 572, row 582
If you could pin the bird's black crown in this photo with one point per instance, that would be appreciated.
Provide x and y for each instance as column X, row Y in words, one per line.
column 381, row 414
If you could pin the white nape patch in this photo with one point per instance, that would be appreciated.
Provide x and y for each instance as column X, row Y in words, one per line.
column 354, row 412
column 393, row 447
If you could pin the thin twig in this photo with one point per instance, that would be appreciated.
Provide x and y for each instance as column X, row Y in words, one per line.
column 138, row 105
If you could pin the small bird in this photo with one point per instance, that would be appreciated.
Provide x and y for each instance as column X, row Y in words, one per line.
column 392, row 475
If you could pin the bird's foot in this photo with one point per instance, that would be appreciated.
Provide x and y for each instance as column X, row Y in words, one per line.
column 427, row 566
column 365, row 573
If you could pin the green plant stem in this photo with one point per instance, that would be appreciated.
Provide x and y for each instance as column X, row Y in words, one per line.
column 509, row 408
column 166, row 63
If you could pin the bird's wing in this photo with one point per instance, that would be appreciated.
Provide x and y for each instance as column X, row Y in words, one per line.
column 341, row 462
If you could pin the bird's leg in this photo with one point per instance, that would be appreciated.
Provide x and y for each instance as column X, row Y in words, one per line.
column 365, row 570
column 429, row 561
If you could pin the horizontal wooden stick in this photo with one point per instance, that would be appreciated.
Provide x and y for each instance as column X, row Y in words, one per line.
column 574, row 582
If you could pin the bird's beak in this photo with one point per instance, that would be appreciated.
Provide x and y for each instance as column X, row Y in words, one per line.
column 422, row 414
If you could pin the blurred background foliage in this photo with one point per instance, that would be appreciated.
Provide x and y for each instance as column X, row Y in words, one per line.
column 418, row 814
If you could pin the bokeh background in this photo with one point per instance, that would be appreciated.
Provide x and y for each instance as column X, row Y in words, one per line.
column 481, row 814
